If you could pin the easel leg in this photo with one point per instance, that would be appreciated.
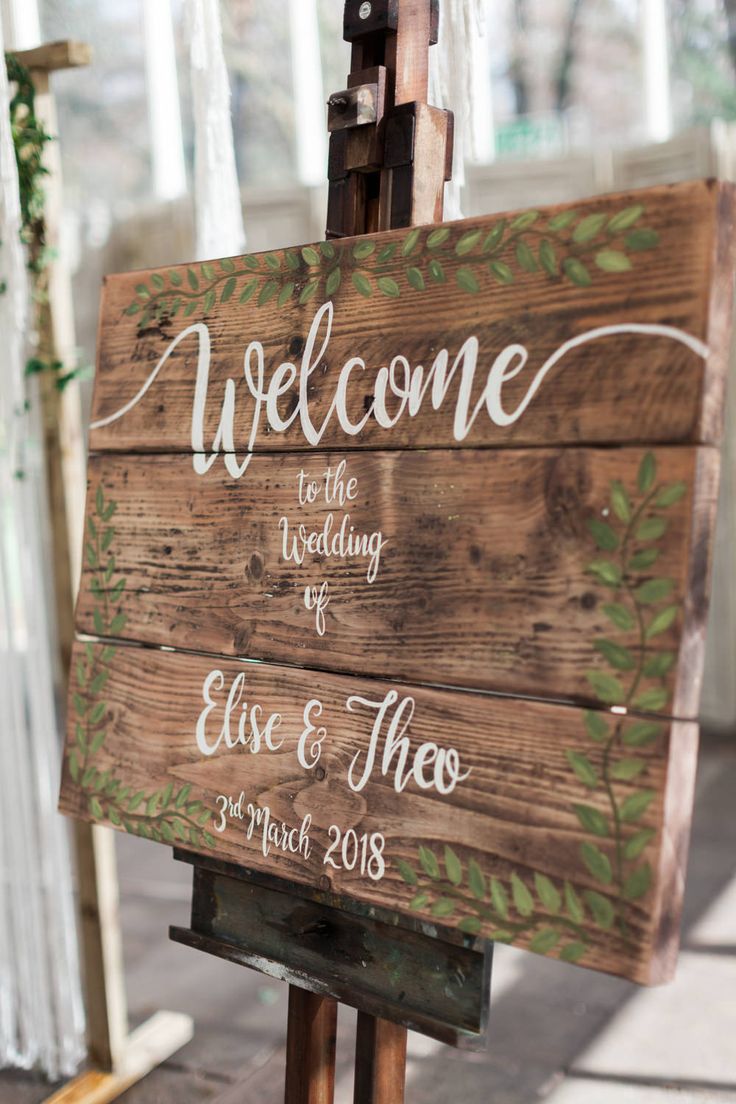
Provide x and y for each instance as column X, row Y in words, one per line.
column 310, row 1048
column 380, row 1061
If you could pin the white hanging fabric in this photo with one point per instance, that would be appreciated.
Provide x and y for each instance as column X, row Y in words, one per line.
column 218, row 210
column 41, row 1011
column 453, row 84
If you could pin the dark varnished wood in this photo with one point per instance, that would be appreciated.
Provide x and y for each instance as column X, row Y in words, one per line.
column 380, row 1061
column 310, row 1048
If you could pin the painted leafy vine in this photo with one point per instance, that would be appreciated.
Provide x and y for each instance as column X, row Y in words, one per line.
column 166, row 815
column 553, row 916
column 567, row 247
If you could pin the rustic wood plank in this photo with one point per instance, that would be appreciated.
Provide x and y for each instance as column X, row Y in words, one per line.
column 571, row 813
column 497, row 570
column 53, row 56
column 535, row 279
column 441, row 989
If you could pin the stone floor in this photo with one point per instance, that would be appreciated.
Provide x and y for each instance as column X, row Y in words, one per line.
column 558, row 1033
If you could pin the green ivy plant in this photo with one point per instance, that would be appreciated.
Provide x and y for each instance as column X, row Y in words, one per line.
column 567, row 247
column 552, row 916
column 166, row 815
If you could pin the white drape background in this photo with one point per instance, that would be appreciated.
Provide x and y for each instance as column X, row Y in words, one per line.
column 41, row 1013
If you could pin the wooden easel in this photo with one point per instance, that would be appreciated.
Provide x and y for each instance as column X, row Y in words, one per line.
column 390, row 156
column 118, row 1057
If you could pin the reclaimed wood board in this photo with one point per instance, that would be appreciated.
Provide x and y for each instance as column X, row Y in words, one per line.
column 540, row 287
column 545, row 825
column 531, row 572
column 379, row 493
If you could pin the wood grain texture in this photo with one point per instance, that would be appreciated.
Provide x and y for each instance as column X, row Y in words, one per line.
column 500, row 279
column 558, row 840
column 487, row 579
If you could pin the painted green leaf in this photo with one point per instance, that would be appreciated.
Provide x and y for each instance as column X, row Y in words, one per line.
column 588, row 228
column 659, row 664
column 650, row 701
column 647, row 473
column 500, row 936
column 166, row 795
column 453, row 866
column 573, row 904
column 328, row 250
column 573, row 952
column 248, row 290
column 134, row 308
column 620, row 501
column 292, row 261
column 636, row 805
column 525, row 257
column 406, row 873
column 96, row 588
column 190, row 308
column 389, row 287
column 97, row 741
column 311, row 256
column 308, row 291
column 493, row 239
column 668, row 496
column 98, row 622
column 627, row 769
column 525, row 220
column 618, row 656
column 643, row 559
column 227, row 264
column 152, row 804
column 98, row 683
column 208, row 271
column 175, row 278
column 143, row 291
column 74, row 766
column 544, row 941
column 438, row 237
column 638, row 843
column 445, row 906
column 576, row 272
column 502, row 272
column 470, row 925
column 227, row 289
column 117, row 590
column 437, row 272
column 333, row 282
column 499, row 898
column 410, row 242
column 193, row 279
column 476, row 880
column 651, row 528
column 592, row 820
column 429, row 863
column 175, row 307
column 203, row 818
column 107, row 538
column 467, row 242
column 286, row 293
column 415, row 279
column 563, row 220
column 167, row 831
column 612, row 260
column 638, row 883
column 363, row 249
column 620, row 616
column 601, row 908
column 606, row 571
column 583, row 768
column 523, row 899
column 268, row 291
column 597, row 862
column 641, row 733
column 80, row 738
column 96, row 808
column 98, row 712
column 91, row 555
column 362, row 284
column 467, row 280
column 158, row 281
column 606, row 687
column 180, row 830
column 548, row 258
column 194, row 837
column 88, row 777
column 81, row 673
column 664, row 619
column 118, row 623
column 639, row 240
column 596, row 726
column 419, row 902
column 251, row 261
column 548, row 894
column 209, row 839
column 604, row 536
column 625, row 219
column 182, row 796
column 109, row 510
column 386, row 253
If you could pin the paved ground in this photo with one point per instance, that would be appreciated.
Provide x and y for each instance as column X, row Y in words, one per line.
column 558, row 1033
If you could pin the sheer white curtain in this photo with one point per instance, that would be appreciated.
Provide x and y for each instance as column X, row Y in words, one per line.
column 41, row 1014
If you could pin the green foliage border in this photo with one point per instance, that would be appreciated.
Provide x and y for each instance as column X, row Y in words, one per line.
column 567, row 247
column 552, row 916
column 166, row 815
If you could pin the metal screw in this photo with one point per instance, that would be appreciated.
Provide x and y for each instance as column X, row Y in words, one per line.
column 365, row 10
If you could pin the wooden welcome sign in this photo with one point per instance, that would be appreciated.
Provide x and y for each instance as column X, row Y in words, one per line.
column 353, row 506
